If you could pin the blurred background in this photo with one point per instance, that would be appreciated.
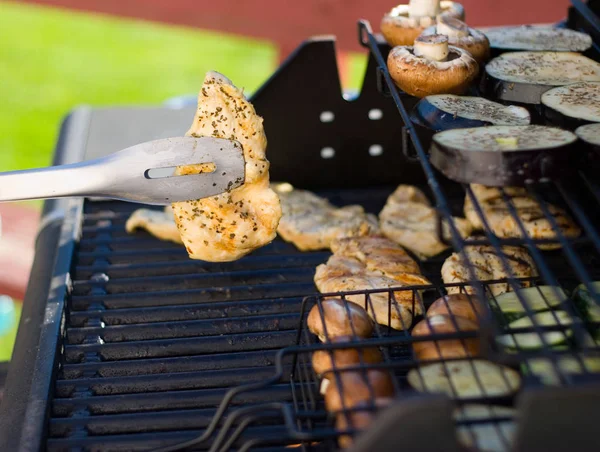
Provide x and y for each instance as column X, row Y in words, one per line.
column 57, row 54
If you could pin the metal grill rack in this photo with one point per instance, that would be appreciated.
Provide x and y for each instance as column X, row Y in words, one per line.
column 137, row 347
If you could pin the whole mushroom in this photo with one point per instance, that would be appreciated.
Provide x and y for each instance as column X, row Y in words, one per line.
column 340, row 318
column 404, row 23
column 462, row 36
column 348, row 389
column 326, row 360
column 431, row 66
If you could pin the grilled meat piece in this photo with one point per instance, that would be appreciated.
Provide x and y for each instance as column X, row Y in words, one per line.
column 311, row 222
column 159, row 223
column 230, row 225
column 367, row 263
column 488, row 266
column 409, row 220
column 504, row 225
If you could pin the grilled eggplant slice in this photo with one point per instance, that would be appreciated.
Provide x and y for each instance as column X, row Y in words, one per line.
column 524, row 76
column 537, row 38
column 465, row 379
column 503, row 155
column 573, row 105
column 448, row 111
column 533, row 340
column 590, row 135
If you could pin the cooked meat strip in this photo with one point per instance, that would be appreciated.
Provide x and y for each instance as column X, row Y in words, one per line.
column 488, row 266
column 366, row 263
column 409, row 220
column 504, row 225
column 159, row 223
column 230, row 225
column 311, row 222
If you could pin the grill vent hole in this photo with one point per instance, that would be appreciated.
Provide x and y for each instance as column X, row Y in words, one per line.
column 327, row 116
column 375, row 114
column 327, row 152
column 375, row 150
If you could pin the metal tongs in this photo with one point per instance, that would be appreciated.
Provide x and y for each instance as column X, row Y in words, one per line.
column 141, row 173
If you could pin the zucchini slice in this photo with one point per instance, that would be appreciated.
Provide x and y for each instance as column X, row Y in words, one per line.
column 547, row 371
column 533, row 340
column 465, row 379
column 540, row 298
column 589, row 309
column 495, row 436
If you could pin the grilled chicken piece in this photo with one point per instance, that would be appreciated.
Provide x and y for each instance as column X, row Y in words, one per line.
column 408, row 219
column 504, row 225
column 488, row 266
column 311, row 222
column 367, row 263
column 159, row 223
column 230, row 225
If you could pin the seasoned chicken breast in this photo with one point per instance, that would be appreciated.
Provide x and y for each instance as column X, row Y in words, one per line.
column 409, row 220
column 311, row 222
column 367, row 263
column 488, row 266
column 159, row 223
column 504, row 225
column 230, row 225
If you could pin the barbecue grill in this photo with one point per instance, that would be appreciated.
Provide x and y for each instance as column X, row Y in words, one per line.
column 127, row 344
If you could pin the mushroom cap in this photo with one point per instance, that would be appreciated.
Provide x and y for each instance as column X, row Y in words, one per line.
column 347, row 389
column 339, row 317
column 421, row 77
column 477, row 44
column 328, row 360
column 446, row 348
column 399, row 29
column 458, row 305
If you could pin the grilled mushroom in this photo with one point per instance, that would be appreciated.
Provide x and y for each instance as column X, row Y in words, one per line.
column 404, row 23
column 347, row 389
column 364, row 413
column 458, row 305
column 462, row 36
column 431, row 66
column 334, row 360
column 445, row 348
column 340, row 318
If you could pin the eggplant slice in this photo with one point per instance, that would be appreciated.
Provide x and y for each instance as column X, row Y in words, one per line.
column 590, row 135
column 504, row 155
column 573, row 105
column 524, row 76
column 538, row 38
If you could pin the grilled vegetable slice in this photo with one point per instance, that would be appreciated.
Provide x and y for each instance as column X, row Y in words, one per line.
column 524, row 76
column 590, row 134
column 549, row 372
column 503, row 155
column 465, row 379
column 540, row 298
column 448, row 111
column 492, row 436
column 527, row 37
column 533, row 340
column 572, row 105
column 585, row 302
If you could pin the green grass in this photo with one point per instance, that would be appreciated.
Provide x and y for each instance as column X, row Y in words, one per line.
column 52, row 60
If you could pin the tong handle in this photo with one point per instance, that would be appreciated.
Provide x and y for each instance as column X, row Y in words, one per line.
column 75, row 179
